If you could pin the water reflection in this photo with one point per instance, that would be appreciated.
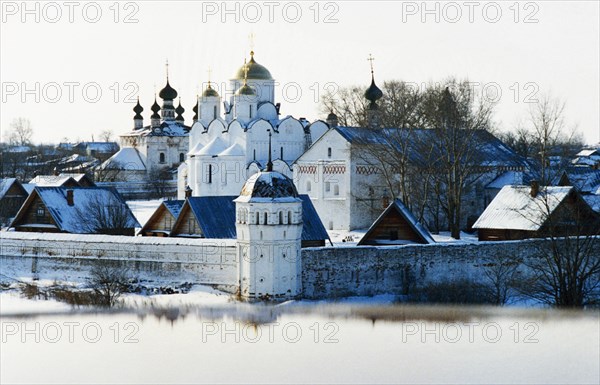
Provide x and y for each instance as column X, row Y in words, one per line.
column 303, row 342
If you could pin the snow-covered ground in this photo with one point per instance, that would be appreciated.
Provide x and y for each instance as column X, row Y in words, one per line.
column 143, row 210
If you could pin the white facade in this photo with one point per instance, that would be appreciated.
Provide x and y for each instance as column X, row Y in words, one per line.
column 346, row 192
column 269, row 236
column 226, row 147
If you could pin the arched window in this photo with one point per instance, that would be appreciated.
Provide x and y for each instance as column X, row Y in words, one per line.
column 161, row 157
column 336, row 190
column 255, row 154
column 210, row 173
column 327, row 186
column 281, row 217
column 289, row 217
column 281, row 153
column 329, row 152
column 266, row 218
column 250, row 111
column 257, row 217
column 308, row 186
column 181, row 157
column 214, row 112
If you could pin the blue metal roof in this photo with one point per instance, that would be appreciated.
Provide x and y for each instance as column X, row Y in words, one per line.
column 490, row 151
column 216, row 217
column 174, row 207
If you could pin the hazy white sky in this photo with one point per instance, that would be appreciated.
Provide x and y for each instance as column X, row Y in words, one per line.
column 520, row 50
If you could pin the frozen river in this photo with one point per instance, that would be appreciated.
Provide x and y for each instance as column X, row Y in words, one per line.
column 304, row 343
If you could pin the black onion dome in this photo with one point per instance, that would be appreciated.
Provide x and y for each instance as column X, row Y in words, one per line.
column 168, row 93
column 269, row 184
column 373, row 93
column 332, row 116
column 138, row 109
column 180, row 110
column 156, row 109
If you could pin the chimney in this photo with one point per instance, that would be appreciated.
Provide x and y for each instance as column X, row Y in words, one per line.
column 70, row 201
column 535, row 188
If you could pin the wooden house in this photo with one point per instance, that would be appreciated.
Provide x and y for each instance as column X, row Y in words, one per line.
column 396, row 226
column 520, row 212
column 12, row 197
column 214, row 217
column 78, row 210
column 162, row 220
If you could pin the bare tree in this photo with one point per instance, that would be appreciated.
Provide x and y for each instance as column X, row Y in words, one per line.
column 502, row 277
column 108, row 283
column 565, row 271
column 99, row 217
column 106, row 135
column 20, row 132
column 159, row 179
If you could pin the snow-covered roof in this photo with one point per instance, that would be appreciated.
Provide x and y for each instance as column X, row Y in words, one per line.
column 127, row 158
column 506, row 178
column 77, row 176
column 234, row 150
column 174, row 207
column 167, row 128
column 5, row 185
column 104, row 147
column 214, row 147
column 585, row 179
column 514, row 208
column 593, row 201
column 50, row 180
column 196, row 149
column 588, row 152
column 88, row 204
column 268, row 186
column 490, row 150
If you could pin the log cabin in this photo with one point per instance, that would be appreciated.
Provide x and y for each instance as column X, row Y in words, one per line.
column 396, row 226
column 521, row 212
column 77, row 210
column 162, row 220
column 12, row 197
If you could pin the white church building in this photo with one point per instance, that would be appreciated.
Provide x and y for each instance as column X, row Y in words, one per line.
column 230, row 140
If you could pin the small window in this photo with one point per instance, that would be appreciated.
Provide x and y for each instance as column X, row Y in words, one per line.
column 281, row 153
column 254, row 154
column 257, row 218
column 289, row 217
column 266, row 218
column 329, row 152
column 214, row 112
column 281, row 217
column 327, row 186
column 336, row 190
column 250, row 111
column 308, row 186
column 210, row 173
column 181, row 157
column 41, row 211
column 162, row 157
